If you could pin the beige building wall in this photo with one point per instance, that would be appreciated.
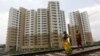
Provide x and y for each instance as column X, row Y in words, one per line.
column 79, row 21
column 69, row 32
column 62, row 25
column 21, row 26
column 74, row 16
column 86, row 29
column 32, row 31
column 26, row 37
column 62, row 20
column 12, row 30
column 41, row 29
column 55, row 26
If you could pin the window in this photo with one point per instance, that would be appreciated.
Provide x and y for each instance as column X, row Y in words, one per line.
column 54, row 15
column 54, row 10
column 44, row 25
column 38, row 30
column 55, row 39
column 54, row 21
column 53, row 4
column 44, row 30
column 54, row 18
column 38, row 25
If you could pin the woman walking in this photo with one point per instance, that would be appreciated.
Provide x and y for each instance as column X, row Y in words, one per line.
column 67, row 45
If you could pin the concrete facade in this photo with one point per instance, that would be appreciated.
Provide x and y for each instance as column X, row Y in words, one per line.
column 79, row 21
column 41, row 29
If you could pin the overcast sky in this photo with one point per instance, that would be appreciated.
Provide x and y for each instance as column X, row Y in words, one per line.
column 91, row 6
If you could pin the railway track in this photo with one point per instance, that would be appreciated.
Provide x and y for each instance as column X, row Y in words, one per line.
column 86, row 52
column 76, row 52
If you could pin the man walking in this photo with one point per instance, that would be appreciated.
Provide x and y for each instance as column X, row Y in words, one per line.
column 79, row 40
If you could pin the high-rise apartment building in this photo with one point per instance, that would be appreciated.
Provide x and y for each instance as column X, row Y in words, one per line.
column 42, row 29
column 80, row 22
column 12, row 29
column 55, row 23
column 30, row 29
column 87, row 34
